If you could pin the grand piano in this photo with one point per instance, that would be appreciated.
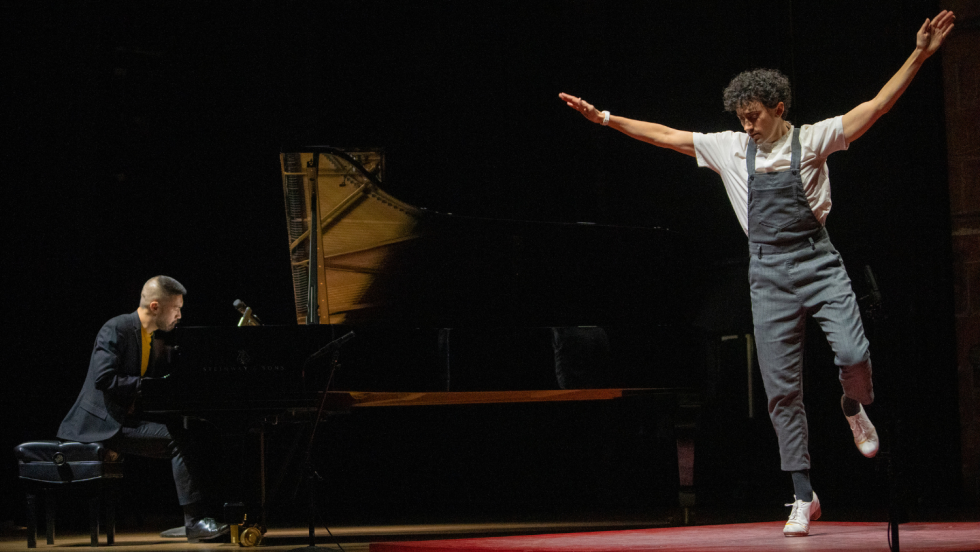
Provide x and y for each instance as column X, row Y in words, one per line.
column 382, row 261
column 447, row 310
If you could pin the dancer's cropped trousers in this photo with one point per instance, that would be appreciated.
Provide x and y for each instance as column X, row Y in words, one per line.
column 795, row 271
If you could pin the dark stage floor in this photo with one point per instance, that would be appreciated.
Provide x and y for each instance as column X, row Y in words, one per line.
column 715, row 530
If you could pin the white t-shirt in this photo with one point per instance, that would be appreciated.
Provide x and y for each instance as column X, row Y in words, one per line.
column 724, row 153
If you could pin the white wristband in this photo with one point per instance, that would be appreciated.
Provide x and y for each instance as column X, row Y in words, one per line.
column 605, row 118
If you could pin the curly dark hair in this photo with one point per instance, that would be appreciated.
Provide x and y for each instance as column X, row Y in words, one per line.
column 768, row 86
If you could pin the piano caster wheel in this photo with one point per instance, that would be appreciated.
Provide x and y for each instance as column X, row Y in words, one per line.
column 251, row 536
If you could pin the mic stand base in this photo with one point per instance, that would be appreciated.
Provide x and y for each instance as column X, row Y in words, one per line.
column 312, row 477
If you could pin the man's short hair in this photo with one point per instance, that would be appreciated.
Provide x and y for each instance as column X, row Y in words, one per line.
column 768, row 86
column 158, row 288
column 170, row 287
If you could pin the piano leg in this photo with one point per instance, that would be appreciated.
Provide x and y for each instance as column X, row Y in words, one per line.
column 262, row 475
column 685, row 429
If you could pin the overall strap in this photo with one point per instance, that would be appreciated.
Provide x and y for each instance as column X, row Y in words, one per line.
column 797, row 149
column 750, row 157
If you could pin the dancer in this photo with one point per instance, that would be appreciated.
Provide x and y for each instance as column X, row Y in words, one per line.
column 777, row 181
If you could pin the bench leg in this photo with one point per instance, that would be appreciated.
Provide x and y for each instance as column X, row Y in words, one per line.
column 50, row 512
column 31, row 520
column 93, row 518
column 110, row 513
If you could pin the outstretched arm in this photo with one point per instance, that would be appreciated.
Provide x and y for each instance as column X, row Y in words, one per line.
column 658, row 135
column 929, row 38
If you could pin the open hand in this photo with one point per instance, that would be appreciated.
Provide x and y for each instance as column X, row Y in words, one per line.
column 585, row 108
column 932, row 33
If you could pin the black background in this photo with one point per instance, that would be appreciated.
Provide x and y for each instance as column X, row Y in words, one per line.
column 142, row 138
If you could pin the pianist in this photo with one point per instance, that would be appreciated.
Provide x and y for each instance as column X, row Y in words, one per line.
column 107, row 407
column 777, row 181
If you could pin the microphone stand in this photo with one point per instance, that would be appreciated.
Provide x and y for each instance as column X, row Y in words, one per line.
column 311, row 475
column 892, row 422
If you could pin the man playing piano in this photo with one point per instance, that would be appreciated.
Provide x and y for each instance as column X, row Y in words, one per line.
column 776, row 178
column 106, row 409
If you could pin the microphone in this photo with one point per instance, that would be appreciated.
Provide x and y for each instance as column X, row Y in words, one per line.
column 248, row 319
column 332, row 346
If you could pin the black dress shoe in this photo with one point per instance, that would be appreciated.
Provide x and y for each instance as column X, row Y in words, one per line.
column 206, row 529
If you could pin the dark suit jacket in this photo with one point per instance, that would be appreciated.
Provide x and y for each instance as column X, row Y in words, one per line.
column 111, row 385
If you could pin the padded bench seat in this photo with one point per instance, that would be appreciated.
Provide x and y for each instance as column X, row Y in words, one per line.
column 50, row 465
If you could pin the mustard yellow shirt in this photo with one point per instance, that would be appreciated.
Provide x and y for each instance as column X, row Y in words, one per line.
column 147, row 340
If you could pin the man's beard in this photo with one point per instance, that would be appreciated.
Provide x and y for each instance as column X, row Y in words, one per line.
column 171, row 326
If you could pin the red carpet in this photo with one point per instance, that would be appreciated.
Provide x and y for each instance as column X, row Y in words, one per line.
column 829, row 536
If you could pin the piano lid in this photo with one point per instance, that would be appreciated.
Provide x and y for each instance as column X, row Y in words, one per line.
column 384, row 262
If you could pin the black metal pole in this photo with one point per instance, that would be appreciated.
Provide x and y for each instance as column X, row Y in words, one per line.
column 312, row 480
column 313, row 303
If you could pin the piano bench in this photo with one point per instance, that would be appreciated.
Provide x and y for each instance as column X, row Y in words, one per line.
column 46, row 466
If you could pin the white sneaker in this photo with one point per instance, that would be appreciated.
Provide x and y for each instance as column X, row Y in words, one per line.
column 799, row 519
column 865, row 436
